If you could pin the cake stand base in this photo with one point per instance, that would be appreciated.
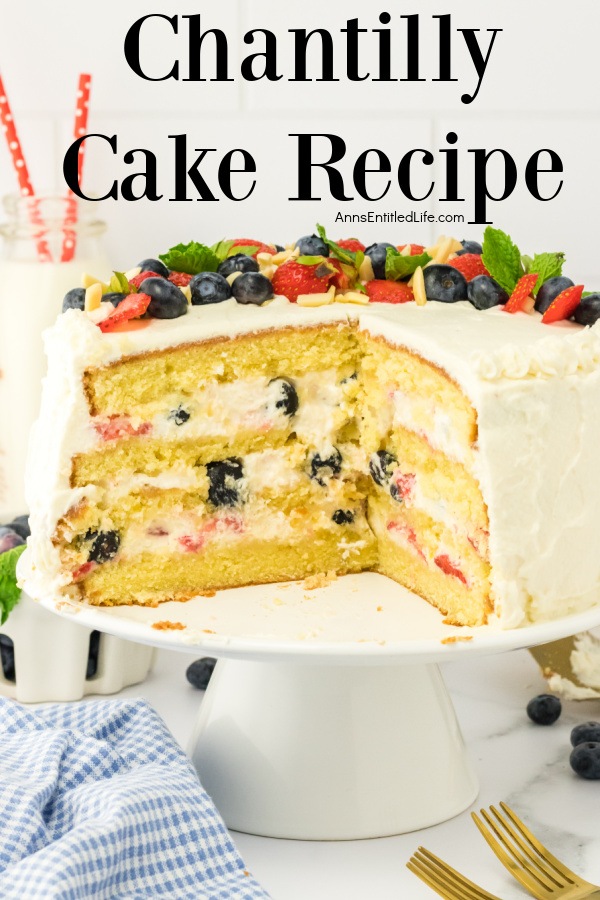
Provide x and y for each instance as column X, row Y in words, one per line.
column 318, row 752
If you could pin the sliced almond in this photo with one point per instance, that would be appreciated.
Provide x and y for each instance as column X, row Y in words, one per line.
column 352, row 297
column 231, row 278
column 365, row 271
column 93, row 297
column 529, row 304
column 317, row 299
column 431, row 251
column 406, row 251
column 88, row 280
column 418, row 286
column 187, row 292
column 133, row 273
column 445, row 248
column 264, row 258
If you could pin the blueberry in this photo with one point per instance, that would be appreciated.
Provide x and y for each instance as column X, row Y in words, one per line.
column 343, row 517
column 311, row 245
column 21, row 526
column 209, row 287
column 323, row 469
column 287, row 397
column 444, row 283
column 238, row 263
column 93, row 653
column 9, row 539
column 168, row 302
column 381, row 466
column 279, row 248
column 470, row 247
column 550, row 290
column 588, row 310
column 7, row 657
column 396, row 493
column 105, row 545
column 223, row 476
column 544, row 709
column 115, row 297
column 377, row 253
column 252, row 287
column 74, row 299
column 199, row 672
column 180, row 415
column 588, row 731
column 585, row 760
column 483, row 292
column 154, row 265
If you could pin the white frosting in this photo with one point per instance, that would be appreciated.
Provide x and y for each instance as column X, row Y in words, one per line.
column 536, row 390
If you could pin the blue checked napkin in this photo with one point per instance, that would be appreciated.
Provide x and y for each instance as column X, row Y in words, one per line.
column 97, row 800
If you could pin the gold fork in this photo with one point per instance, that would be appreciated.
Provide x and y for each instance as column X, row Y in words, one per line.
column 532, row 864
column 443, row 879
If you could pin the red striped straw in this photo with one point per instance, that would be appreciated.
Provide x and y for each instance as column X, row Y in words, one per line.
column 25, row 187
column 79, row 129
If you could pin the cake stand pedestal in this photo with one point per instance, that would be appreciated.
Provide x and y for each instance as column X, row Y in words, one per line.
column 326, row 717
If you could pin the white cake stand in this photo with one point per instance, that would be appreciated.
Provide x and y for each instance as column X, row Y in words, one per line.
column 326, row 717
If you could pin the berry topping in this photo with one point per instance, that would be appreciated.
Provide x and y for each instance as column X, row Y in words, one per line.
column 483, row 292
column 105, row 545
column 252, row 287
column 287, row 397
column 550, row 290
column 9, row 539
column 520, row 299
column 260, row 247
column 238, row 263
column 470, row 264
column 199, row 672
column 74, row 299
column 115, row 297
column 21, row 526
column 131, row 307
column 377, row 253
column 544, row 709
column 209, row 287
column 586, row 732
column 564, row 305
column 352, row 244
column 180, row 415
column 381, row 467
column 155, row 266
column 293, row 278
column 223, row 476
column 311, row 245
column 137, row 280
column 444, row 283
column 168, row 302
column 388, row 291
column 322, row 469
column 588, row 311
column 343, row 517
column 181, row 279
column 585, row 760
column 470, row 247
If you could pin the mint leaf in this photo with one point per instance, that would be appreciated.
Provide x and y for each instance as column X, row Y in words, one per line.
column 350, row 257
column 310, row 260
column 221, row 249
column 119, row 284
column 246, row 250
column 589, row 294
column 191, row 258
column 547, row 265
column 9, row 592
column 398, row 267
column 501, row 258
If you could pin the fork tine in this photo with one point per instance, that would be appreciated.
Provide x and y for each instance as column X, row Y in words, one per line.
column 508, row 861
column 543, row 851
column 449, row 883
column 532, row 861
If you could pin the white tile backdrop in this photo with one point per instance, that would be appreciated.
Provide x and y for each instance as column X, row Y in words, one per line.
column 540, row 90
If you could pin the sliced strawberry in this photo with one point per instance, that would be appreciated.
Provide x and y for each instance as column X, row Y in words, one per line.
column 293, row 278
column 415, row 249
column 470, row 264
column 132, row 306
column 563, row 306
column 342, row 280
column 246, row 242
column 352, row 244
column 181, row 279
column 380, row 291
column 119, row 426
column 444, row 563
column 518, row 300
column 137, row 279
column 83, row 570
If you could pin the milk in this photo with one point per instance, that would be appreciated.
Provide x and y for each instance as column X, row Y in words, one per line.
column 31, row 295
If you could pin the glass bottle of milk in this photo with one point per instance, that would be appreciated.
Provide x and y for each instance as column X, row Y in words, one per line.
column 31, row 293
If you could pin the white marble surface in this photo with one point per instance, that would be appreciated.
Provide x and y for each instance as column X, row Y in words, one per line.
column 524, row 764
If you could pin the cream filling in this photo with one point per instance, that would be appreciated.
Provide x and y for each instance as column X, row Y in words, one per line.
column 425, row 418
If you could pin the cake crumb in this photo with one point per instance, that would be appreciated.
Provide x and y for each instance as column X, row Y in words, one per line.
column 208, row 631
column 166, row 625
column 455, row 638
column 207, row 594
column 320, row 580
column 379, row 608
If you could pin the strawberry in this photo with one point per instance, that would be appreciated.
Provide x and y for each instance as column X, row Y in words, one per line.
column 293, row 278
column 246, row 242
column 470, row 264
column 342, row 280
column 564, row 305
column 181, row 279
column 137, row 280
column 131, row 307
column 352, row 244
column 444, row 563
column 518, row 300
column 120, row 426
column 415, row 249
column 380, row 291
